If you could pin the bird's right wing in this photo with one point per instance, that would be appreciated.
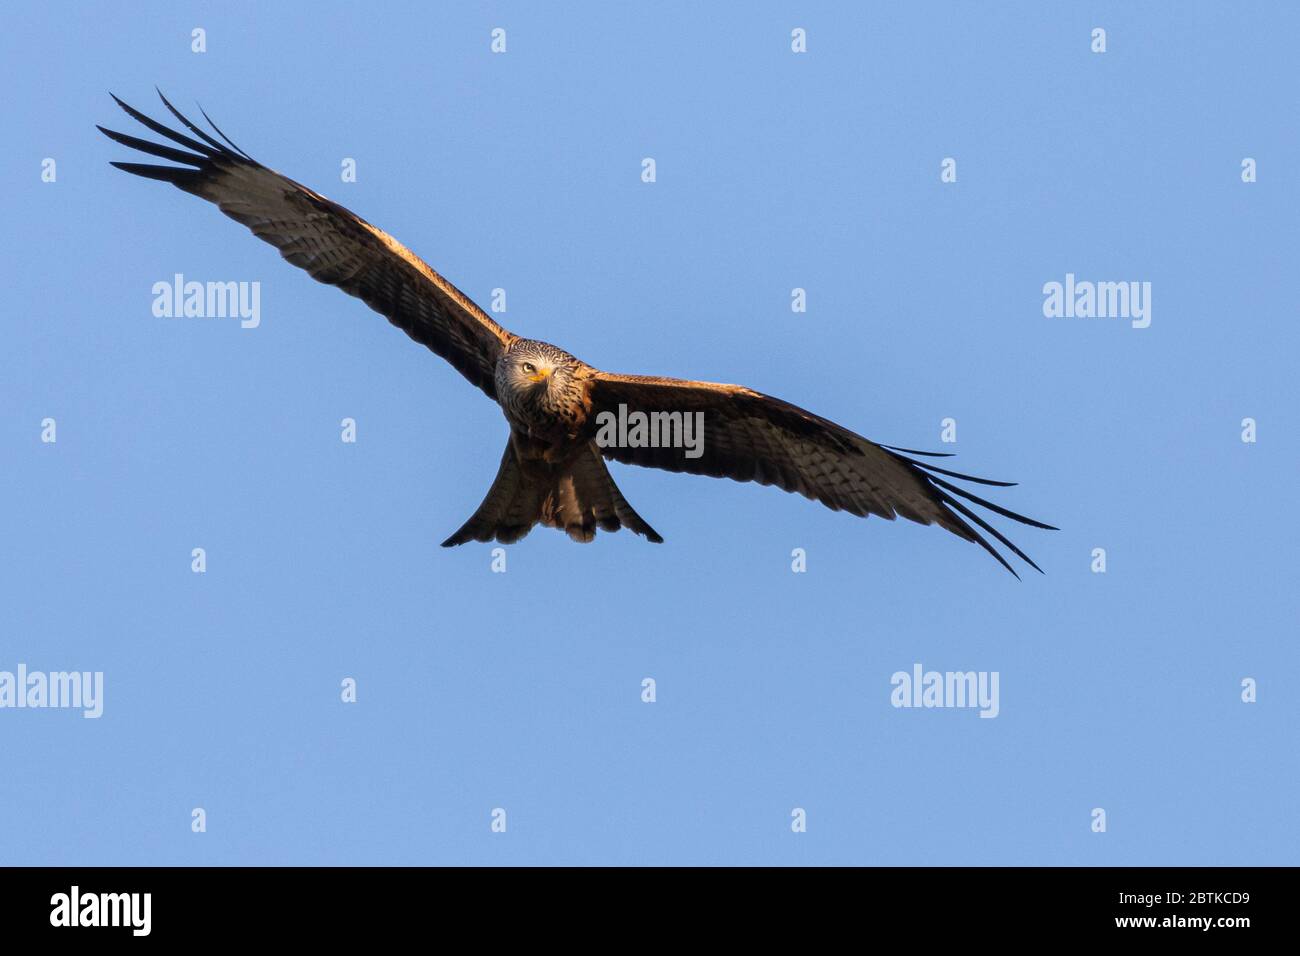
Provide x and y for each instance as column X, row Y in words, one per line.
column 333, row 245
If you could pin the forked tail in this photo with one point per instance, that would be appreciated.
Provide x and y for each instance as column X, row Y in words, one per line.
column 577, row 496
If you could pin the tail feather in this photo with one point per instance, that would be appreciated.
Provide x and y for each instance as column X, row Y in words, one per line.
column 577, row 496
column 509, row 510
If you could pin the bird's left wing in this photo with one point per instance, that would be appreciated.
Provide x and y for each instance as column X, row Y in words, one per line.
column 748, row 436
column 332, row 244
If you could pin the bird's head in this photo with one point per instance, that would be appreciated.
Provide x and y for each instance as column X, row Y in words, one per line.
column 534, row 366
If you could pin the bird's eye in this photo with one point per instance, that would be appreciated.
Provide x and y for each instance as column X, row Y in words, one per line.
column 530, row 368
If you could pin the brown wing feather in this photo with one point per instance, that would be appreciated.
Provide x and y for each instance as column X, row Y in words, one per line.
column 749, row 436
column 331, row 243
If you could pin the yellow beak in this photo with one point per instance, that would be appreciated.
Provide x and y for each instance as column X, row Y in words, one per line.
column 541, row 376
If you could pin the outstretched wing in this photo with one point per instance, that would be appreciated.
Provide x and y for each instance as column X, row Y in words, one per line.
column 749, row 436
column 334, row 245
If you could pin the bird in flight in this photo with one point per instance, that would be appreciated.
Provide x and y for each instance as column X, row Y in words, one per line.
column 553, row 469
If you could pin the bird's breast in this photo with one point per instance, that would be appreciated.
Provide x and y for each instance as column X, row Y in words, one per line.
column 550, row 415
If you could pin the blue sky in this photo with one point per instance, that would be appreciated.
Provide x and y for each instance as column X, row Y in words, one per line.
column 522, row 691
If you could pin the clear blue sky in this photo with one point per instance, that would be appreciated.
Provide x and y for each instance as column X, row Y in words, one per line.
column 523, row 690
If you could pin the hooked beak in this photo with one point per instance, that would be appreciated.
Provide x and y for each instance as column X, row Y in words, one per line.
column 542, row 375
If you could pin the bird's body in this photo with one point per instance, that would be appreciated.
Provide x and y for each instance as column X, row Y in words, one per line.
column 551, row 472
column 553, row 468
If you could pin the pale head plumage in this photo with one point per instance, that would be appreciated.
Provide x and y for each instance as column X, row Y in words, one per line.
column 537, row 384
